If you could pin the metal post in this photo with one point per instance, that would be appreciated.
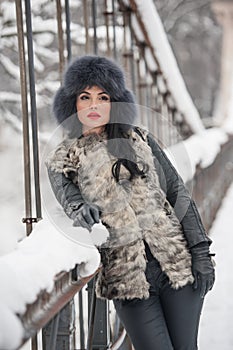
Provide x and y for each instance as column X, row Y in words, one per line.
column 24, row 102
column 157, row 108
column 94, row 27
column 68, row 37
column 33, row 109
column 59, row 333
column 125, row 49
column 114, row 30
column 129, row 44
column 81, row 320
column 60, row 38
column 34, row 343
column 25, row 121
column 85, row 17
column 107, row 13
column 98, row 330
column 160, row 109
column 91, row 313
column 54, row 330
column 132, row 69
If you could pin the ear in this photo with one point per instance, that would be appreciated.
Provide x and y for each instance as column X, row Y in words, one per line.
column 63, row 105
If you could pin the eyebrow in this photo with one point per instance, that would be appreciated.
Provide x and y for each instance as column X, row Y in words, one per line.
column 88, row 93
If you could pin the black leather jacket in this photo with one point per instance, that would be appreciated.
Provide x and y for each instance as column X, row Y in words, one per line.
column 69, row 196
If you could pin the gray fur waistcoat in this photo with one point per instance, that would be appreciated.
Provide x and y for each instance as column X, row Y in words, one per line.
column 133, row 211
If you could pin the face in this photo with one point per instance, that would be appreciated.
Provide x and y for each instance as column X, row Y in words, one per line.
column 93, row 107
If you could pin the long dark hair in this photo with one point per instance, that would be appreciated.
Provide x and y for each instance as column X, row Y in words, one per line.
column 120, row 146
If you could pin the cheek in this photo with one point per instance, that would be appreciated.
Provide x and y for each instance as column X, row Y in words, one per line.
column 106, row 110
column 81, row 116
column 79, row 106
column 81, row 111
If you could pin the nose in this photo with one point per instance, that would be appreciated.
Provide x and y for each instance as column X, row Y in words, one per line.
column 93, row 104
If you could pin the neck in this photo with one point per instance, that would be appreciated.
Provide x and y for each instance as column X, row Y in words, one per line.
column 98, row 130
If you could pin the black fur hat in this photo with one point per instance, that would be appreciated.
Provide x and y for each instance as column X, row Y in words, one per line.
column 88, row 71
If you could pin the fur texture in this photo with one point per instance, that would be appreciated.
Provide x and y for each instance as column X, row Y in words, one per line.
column 132, row 211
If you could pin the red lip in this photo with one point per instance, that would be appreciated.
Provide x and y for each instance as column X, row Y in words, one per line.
column 93, row 115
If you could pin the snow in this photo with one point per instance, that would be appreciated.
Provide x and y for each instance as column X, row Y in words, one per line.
column 10, row 67
column 150, row 60
column 11, row 228
column 228, row 122
column 137, row 28
column 168, row 63
column 199, row 149
column 8, row 96
column 44, row 39
column 29, row 264
column 9, row 321
column 31, row 267
column 216, row 320
column 8, row 11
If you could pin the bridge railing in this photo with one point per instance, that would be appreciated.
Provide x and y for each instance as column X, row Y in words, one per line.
column 48, row 305
column 211, row 183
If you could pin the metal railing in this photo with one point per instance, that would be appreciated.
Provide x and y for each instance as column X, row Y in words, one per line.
column 210, row 184
column 127, row 40
column 50, row 304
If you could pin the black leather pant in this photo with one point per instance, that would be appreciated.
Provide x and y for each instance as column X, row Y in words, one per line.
column 168, row 320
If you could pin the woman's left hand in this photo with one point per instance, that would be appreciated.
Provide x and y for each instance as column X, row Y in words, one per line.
column 202, row 268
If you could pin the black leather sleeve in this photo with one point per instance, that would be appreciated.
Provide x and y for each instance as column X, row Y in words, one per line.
column 178, row 196
column 67, row 193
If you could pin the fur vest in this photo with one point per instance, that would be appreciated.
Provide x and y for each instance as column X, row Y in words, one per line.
column 133, row 211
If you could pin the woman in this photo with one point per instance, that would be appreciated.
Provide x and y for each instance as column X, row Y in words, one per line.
column 156, row 262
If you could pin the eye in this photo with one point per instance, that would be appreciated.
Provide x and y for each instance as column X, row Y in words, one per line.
column 104, row 98
column 84, row 97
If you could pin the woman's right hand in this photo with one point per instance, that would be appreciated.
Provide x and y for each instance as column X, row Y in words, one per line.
column 86, row 216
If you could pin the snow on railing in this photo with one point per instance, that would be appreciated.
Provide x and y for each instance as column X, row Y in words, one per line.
column 32, row 269
column 199, row 150
column 147, row 18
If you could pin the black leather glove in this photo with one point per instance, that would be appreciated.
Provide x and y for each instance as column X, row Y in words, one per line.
column 202, row 268
column 86, row 216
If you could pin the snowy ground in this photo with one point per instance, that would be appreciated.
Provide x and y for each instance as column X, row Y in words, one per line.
column 216, row 322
